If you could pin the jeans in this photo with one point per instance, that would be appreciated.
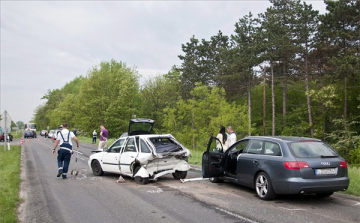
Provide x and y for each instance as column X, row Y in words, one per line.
column 64, row 160
column 94, row 140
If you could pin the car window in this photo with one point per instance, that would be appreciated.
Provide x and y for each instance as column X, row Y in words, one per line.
column 311, row 149
column 143, row 147
column 165, row 144
column 239, row 145
column 116, row 147
column 271, row 148
column 130, row 146
column 254, row 147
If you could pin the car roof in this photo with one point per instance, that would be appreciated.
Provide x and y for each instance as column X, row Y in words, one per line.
column 150, row 136
column 285, row 138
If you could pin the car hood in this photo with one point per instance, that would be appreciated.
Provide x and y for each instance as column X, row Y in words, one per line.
column 140, row 126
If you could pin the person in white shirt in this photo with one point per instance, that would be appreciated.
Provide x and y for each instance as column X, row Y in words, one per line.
column 231, row 137
column 94, row 137
column 222, row 138
column 64, row 138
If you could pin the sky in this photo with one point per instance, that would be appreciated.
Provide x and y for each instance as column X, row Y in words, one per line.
column 46, row 44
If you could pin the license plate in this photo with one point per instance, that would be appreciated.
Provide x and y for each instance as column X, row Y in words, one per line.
column 328, row 171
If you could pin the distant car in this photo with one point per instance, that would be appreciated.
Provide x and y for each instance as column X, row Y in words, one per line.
column 43, row 133
column 278, row 165
column 51, row 133
column 29, row 134
column 142, row 155
column 2, row 137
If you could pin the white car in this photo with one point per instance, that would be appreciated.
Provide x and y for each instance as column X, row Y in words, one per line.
column 51, row 133
column 142, row 155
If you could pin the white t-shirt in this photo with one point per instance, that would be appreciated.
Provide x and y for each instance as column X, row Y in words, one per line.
column 231, row 140
column 65, row 133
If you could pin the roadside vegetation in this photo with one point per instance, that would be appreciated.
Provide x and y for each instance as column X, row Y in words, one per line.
column 354, row 175
column 9, row 183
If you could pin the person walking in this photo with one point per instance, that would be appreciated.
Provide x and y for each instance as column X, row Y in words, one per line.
column 222, row 138
column 64, row 139
column 231, row 137
column 103, row 137
column 94, row 137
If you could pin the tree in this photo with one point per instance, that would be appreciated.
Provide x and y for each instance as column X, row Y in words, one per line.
column 20, row 124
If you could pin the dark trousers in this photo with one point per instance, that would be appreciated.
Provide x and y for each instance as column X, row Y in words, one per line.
column 64, row 160
column 94, row 140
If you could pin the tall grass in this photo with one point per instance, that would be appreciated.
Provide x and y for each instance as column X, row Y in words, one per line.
column 354, row 175
column 9, row 183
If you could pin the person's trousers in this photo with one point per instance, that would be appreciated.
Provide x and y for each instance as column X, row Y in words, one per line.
column 63, row 160
column 102, row 145
column 94, row 140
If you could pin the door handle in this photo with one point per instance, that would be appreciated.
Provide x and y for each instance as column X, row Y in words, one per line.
column 131, row 156
column 255, row 161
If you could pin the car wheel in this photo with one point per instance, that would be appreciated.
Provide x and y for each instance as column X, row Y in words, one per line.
column 179, row 174
column 215, row 180
column 324, row 194
column 96, row 168
column 264, row 187
column 138, row 179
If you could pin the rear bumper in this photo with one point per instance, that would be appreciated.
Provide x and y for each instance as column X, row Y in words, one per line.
column 299, row 185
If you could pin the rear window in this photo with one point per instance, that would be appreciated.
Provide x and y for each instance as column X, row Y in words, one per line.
column 311, row 149
column 163, row 145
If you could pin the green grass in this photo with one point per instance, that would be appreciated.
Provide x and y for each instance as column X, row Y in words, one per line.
column 354, row 175
column 16, row 136
column 10, row 183
column 84, row 139
column 196, row 157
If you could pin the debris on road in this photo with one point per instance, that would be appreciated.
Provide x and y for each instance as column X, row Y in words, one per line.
column 121, row 180
column 192, row 179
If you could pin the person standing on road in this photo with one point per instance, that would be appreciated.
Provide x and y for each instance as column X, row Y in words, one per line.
column 103, row 137
column 231, row 137
column 222, row 138
column 64, row 138
column 94, row 137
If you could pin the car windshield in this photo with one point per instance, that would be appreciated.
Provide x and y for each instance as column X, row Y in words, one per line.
column 311, row 149
column 163, row 145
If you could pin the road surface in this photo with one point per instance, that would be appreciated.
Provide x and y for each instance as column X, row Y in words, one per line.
column 87, row 198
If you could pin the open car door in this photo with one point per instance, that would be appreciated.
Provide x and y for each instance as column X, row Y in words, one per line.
column 212, row 165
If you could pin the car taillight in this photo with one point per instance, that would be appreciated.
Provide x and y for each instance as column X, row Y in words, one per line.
column 293, row 165
column 343, row 164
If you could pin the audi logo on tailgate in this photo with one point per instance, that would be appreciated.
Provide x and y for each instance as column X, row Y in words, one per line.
column 325, row 163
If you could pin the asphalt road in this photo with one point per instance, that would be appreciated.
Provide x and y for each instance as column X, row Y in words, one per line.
column 87, row 198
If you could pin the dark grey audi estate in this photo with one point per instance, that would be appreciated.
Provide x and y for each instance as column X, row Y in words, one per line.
column 277, row 165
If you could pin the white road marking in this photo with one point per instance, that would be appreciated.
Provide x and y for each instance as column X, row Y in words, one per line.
column 78, row 152
column 293, row 209
column 236, row 215
column 357, row 203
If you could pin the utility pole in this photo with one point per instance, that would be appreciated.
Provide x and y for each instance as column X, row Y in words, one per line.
column 264, row 101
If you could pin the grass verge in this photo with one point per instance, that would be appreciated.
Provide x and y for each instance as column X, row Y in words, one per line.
column 10, row 183
column 84, row 139
column 354, row 175
column 196, row 157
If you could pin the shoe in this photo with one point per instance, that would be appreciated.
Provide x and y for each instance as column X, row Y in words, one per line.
column 59, row 173
column 64, row 177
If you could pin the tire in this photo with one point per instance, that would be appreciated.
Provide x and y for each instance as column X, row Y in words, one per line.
column 96, row 168
column 179, row 174
column 215, row 180
column 324, row 194
column 264, row 187
column 140, row 180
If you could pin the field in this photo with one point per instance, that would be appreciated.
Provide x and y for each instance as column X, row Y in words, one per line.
column 10, row 183
column 354, row 175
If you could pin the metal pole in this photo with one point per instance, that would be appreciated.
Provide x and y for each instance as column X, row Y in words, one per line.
column 5, row 132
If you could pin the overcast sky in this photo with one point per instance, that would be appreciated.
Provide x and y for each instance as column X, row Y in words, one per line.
column 46, row 44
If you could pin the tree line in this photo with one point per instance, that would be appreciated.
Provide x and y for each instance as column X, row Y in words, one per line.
column 286, row 71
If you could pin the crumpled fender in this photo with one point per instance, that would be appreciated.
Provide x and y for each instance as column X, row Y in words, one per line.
column 142, row 173
column 182, row 166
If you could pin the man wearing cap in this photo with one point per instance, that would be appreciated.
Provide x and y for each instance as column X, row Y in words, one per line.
column 231, row 139
column 64, row 138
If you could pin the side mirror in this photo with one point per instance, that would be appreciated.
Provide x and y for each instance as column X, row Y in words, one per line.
column 105, row 149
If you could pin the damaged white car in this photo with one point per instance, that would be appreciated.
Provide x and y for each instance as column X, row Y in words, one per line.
column 142, row 155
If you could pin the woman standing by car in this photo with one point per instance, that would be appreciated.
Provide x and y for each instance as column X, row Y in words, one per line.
column 222, row 138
